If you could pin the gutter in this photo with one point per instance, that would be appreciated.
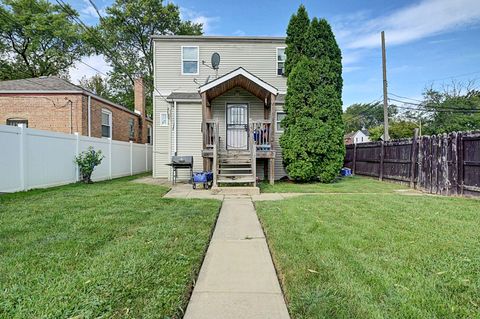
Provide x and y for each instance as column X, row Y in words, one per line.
column 89, row 116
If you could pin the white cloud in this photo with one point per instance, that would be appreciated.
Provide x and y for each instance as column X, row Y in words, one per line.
column 197, row 17
column 239, row 33
column 423, row 19
column 89, row 10
column 89, row 68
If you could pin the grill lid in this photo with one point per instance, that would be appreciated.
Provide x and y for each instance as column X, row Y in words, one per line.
column 182, row 160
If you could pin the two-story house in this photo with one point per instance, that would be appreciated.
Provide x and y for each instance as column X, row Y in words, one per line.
column 227, row 117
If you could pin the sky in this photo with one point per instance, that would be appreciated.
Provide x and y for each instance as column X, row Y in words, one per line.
column 429, row 42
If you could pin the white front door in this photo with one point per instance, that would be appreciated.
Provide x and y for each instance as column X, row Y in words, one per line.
column 237, row 126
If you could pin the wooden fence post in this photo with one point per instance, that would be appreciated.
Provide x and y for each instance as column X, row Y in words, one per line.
column 382, row 156
column 354, row 165
column 460, row 162
column 444, row 165
column 454, row 181
column 413, row 158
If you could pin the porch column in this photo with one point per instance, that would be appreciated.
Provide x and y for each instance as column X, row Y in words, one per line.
column 273, row 123
column 206, row 113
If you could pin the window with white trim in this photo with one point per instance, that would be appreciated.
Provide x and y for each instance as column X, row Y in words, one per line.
column 131, row 128
column 17, row 122
column 106, row 123
column 190, row 60
column 281, row 61
column 163, row 119
column 280, row 117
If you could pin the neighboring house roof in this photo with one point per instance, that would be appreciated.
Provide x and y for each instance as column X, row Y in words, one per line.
column 238, row 72
column 52, row 84
column 365, row 132
column 350, row 135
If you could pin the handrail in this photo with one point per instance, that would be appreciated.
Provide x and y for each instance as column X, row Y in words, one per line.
column 261, row 131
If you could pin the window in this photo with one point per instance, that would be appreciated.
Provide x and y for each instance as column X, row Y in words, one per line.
column 190, row 60
column 149, row 135
column 131, row 128
column 280, row 117
column 281, row 61
column 16, row 122
column 106, row 123
column 163, row 119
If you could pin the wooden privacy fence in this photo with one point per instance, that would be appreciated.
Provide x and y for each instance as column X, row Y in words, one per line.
column 447, row 164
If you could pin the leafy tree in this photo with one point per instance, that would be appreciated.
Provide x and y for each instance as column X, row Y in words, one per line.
column 97, row 85
column 365, row 115
column 123, row 36
column 37, row 39
column 312, row 142
column 452, row 109
column 397, row 129
column 297, row 38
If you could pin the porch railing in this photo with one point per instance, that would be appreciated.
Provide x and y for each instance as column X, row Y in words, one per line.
column 210, row 133
column 262, row 134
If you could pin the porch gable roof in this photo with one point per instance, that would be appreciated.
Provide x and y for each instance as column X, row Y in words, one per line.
column 238, row 77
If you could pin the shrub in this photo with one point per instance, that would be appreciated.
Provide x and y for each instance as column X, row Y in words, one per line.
column 87, row 161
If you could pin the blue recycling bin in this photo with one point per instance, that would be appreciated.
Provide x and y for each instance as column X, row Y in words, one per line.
column 205, row 178
column 346, row 171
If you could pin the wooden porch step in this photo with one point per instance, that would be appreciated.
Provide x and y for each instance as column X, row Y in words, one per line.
column 234, row 175
column 244, row 180
column 235, row 168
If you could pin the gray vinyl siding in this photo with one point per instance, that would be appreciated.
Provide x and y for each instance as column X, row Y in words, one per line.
column 161, row 140
column 189, row 135
column 257, row 58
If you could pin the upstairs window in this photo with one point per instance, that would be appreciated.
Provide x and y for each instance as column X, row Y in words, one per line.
column 281, row 61
column 131, row 127
column 190, row 60
column 17, row 122
column 280, row 117
column 106, row 123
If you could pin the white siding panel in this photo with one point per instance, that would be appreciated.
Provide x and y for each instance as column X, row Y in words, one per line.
column 279, row 169
column 189, row 135
column 161, row 140
column 257, row 58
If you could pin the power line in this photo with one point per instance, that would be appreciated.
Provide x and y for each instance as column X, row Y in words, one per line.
column 103, row 45
column 404, row 97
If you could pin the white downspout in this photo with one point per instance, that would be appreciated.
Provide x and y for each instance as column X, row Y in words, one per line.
column 175, row 128
column 89, row 115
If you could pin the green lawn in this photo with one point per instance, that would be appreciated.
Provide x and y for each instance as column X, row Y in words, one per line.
column 376, row 256
column 113, row 249
column 354, row 184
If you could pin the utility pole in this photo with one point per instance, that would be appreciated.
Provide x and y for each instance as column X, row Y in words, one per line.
column 386, row 136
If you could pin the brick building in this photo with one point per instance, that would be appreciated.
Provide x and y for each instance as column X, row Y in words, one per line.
column 54, row 104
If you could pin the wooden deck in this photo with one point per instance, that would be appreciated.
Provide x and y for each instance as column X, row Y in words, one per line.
column 208, row 153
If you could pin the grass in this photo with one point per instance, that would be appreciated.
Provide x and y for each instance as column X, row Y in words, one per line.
column 113, row 249
column 376, row 256
column 354, row 184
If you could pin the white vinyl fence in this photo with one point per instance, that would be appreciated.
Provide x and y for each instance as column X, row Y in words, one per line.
column 32, row 158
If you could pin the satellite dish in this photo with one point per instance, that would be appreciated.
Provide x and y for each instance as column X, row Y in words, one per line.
column 215, row 60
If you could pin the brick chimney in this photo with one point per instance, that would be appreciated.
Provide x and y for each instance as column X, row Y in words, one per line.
column 139, row 104
column 139, row 96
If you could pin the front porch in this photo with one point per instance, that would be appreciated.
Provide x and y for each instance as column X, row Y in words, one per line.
column 238, row 127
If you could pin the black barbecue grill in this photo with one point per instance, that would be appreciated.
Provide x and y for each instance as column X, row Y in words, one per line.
column 181, row 162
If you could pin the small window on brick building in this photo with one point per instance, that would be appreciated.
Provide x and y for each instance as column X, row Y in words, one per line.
column 106, row 123
column 131, row 128
column 149, row 135
column 17, row 122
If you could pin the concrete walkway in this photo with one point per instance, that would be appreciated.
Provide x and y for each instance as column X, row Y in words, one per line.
column 237, row 278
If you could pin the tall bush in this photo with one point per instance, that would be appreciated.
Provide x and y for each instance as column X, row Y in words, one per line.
column 297, row 33
column 87, row 161
column 312, row 141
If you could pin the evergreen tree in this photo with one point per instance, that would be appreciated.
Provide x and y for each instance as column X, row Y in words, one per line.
column 296, row 41
column 312, row 142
